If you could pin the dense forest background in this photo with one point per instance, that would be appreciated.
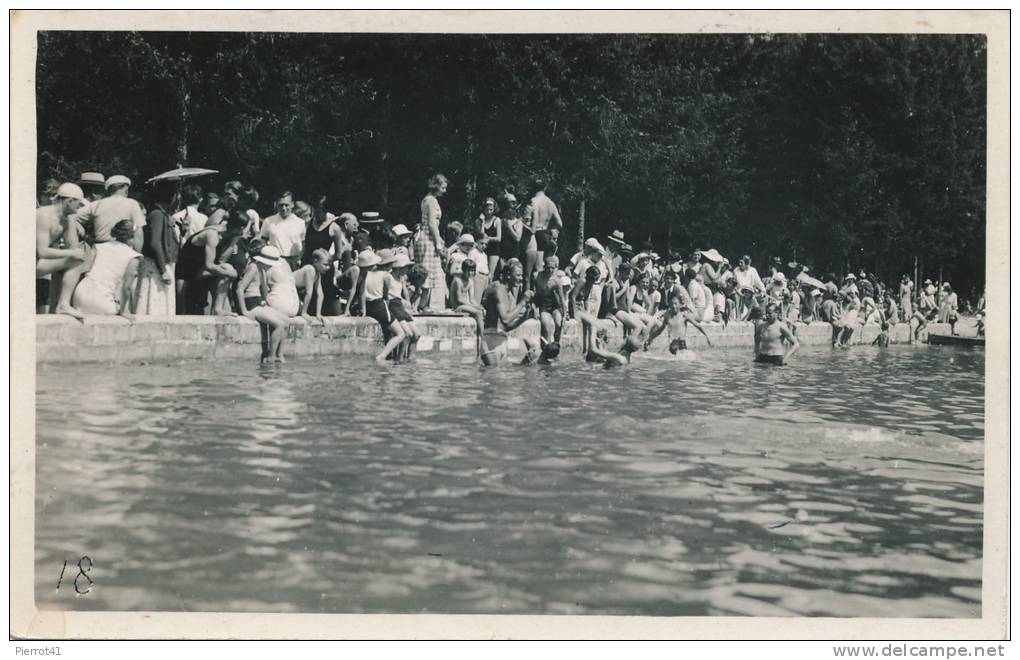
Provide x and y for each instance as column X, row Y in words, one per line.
column 842, row 151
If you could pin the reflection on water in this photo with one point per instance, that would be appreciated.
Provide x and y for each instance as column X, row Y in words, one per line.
column 846, row 484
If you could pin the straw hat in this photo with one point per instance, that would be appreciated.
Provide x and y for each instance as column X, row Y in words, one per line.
column 617, row 237
column 401, row 230
column 92, row 179
column 268, row 256
column 712, row 255
column 385, row 257
column 401, row 260
column 370, row 218
column 466, row 239
column 779, row 277
column 594, row 244
column 367, row 259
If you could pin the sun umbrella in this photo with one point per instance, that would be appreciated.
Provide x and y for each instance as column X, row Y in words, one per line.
column 182, row 173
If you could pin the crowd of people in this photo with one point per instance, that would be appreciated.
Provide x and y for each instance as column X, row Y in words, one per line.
column 191, row 251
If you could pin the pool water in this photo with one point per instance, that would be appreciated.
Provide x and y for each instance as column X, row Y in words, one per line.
column 848, row 483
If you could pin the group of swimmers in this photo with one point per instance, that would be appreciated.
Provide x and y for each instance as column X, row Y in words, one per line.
column 499, row 270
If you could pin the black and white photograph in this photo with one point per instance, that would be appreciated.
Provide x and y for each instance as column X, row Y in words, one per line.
column 683, row 314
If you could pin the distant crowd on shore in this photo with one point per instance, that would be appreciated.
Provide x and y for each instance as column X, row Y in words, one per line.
column 194, row 251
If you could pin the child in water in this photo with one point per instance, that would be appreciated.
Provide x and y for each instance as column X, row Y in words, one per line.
column 882, row 340
column 462, row 296
column 676, row 319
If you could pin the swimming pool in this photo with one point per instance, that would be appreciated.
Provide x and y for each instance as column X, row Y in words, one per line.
column 846, row 484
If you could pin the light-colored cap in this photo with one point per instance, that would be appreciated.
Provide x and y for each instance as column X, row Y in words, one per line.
column 117, row 179
column 466, row 238
column 401, row 260
column 70, row 191
column 386, row 256
column 779, row 276
column 594, row 244
column 367, row 259
column 401, row 230
column 268, row 255
column 712, row 255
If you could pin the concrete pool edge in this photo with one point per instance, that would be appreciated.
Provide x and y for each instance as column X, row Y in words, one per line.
column 61, row 339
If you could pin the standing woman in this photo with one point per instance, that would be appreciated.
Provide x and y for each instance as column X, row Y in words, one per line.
column 492, row 229
column 511, row 232
column 906, row 291
column 156, row 294
column 429, row 244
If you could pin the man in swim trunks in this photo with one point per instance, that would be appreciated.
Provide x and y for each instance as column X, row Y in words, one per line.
column 57, row 251
column 769, row 337
column 550, row 299
column 500, row 308
column 677, row 316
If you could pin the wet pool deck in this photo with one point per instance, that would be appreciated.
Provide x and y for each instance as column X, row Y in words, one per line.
column 115, row 339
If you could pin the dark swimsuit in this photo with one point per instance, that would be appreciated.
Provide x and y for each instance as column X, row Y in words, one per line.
column 191, row 258
column 545, row 296
column 316, row 239
column 492, row 248
column 677, row 345
column 769, row 359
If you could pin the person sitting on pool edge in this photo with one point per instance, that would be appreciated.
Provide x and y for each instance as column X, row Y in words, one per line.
column 500, row 309
column 677, row 317
column 462, row 296
column 769, row 337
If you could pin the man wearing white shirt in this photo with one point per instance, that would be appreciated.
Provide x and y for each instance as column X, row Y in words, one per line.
column 101, row 215
column 285, row 231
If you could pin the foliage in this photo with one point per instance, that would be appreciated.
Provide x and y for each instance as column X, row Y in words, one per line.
column 858, row 151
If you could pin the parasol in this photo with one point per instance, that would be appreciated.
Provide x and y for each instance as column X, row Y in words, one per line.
column 182, row 173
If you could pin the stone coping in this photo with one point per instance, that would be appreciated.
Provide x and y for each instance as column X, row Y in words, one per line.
column 116, row 339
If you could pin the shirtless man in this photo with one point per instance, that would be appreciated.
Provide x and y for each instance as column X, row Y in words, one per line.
column 500, row 308
column 308, row 280
column 677, row 317
column 53, row 223
column 598, row 353
column 550, row 299
column 769, row 337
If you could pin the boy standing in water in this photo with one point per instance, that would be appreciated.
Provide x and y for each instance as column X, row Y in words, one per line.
column 676, row 319
column 769, row 337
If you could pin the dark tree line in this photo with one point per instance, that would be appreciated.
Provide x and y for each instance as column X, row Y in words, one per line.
column 861, row 151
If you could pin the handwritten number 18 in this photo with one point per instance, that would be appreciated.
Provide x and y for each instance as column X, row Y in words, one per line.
column 83, row 572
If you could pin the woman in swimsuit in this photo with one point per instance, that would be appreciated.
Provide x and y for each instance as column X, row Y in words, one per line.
column 492, row 228
column 257, row 307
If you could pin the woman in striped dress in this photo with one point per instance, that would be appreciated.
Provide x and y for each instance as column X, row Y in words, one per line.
column 428, row 244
